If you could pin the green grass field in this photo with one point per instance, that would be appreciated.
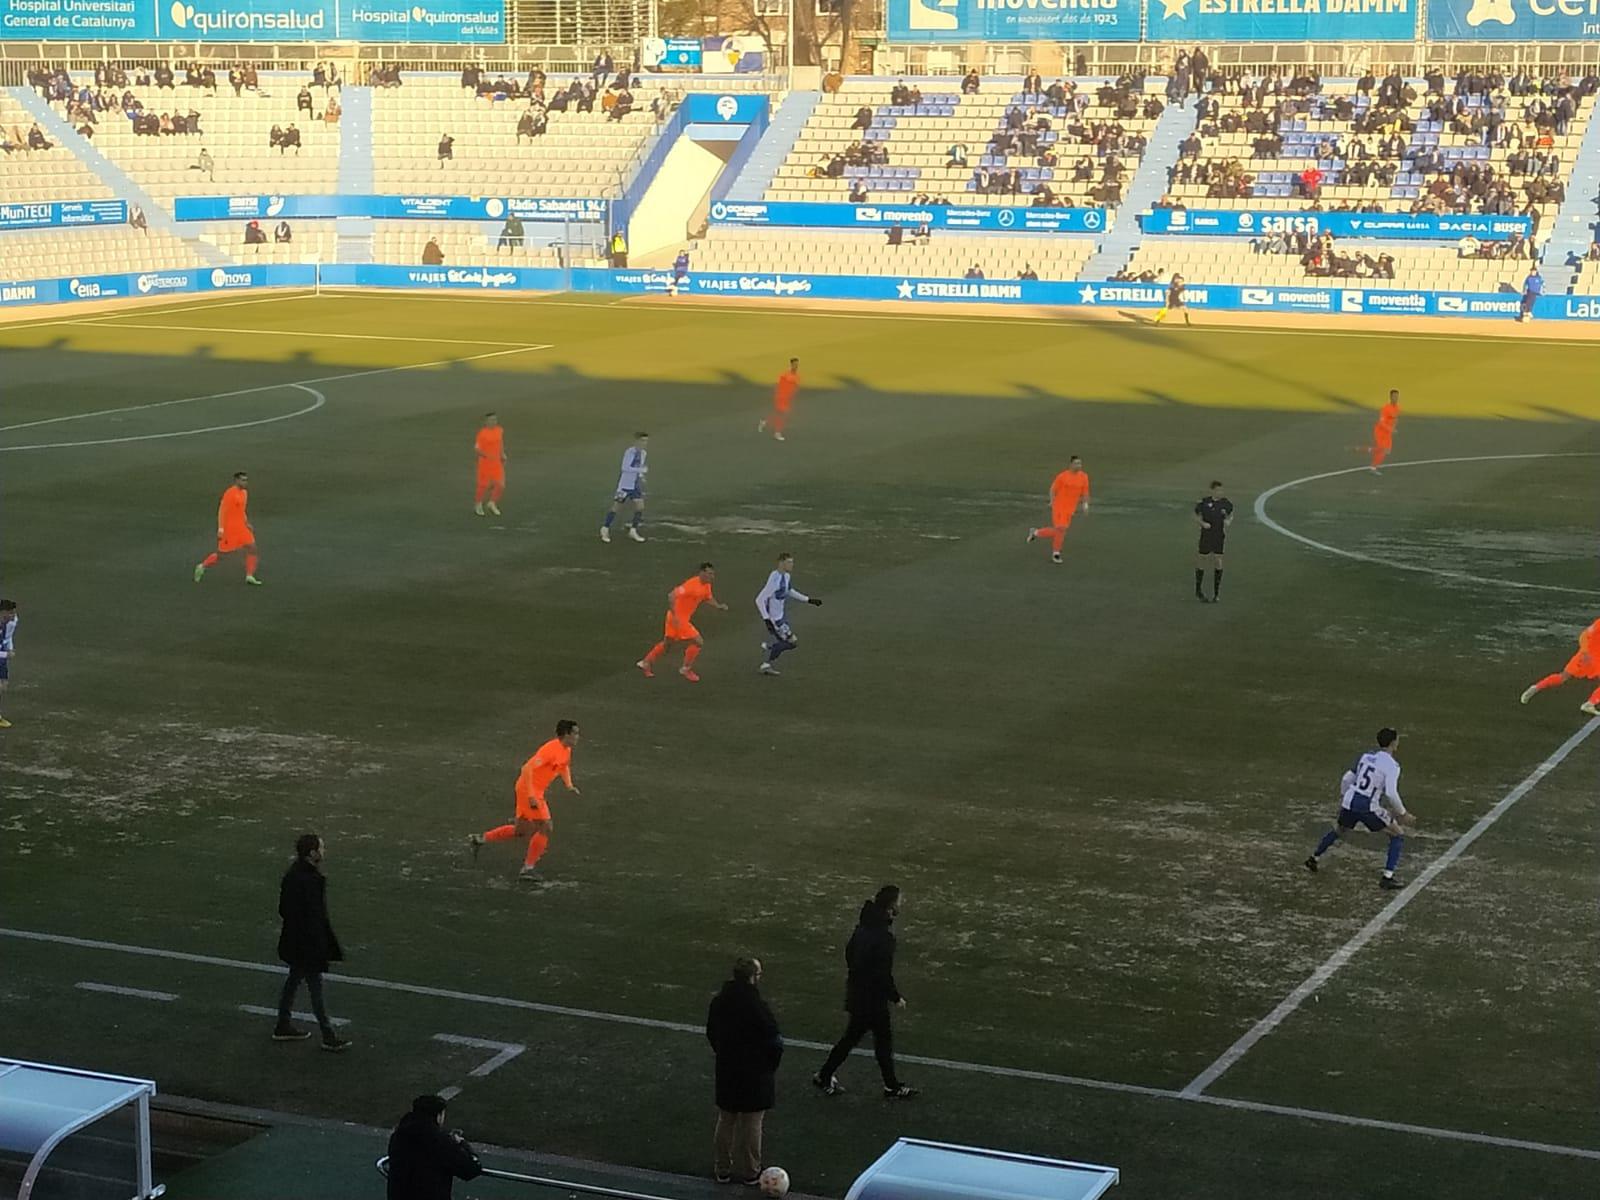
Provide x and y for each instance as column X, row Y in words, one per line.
column 1096, row 792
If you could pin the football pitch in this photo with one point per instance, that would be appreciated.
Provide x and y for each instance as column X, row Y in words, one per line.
column 1096, row 792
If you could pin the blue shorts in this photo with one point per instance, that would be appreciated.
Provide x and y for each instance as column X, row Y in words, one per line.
column 1375, row 819
column 781, row 631
column 633, row 493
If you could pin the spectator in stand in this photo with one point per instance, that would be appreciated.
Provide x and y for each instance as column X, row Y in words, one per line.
column 331, row 114
column 205, row 164
column 1032, row 84
column 601, row 69
column 586, row 98
column 254, row 235
column 748, row 1046
column 302, row 100
column 291, row 137
column 432, row 256
column 424, row 1160
column 1594, row 252
column 895, row 235
column 447, row 151
column 282, row 234
column 164, row 77
column 136, row 219
column 974, row 272
column 510, row 233
column 922, row 235
column 970, row 83
column 1467, row 247
column 623, row 105
column 37, row 140
column 863, row 118
column 252, row 81
column 236, row 79
column 1027, row 272
column 275, row 138
column 1310, row 183
column 958, row 155
column 858, row 191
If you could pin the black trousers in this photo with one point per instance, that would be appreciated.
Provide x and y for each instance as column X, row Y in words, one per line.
column 291, row 986
column 879, row 1025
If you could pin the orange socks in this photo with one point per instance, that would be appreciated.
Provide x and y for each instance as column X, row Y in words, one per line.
column 496, row 490
column 536, row 849
column 690, row 654
column 250, row 562
column 1594, row 696
column 209, row 561
column 1549, row 681
column 656, row 652
column 501, row 833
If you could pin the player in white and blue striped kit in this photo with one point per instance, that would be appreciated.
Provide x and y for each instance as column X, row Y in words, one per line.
column 1369, row 796
column 630, row 486
column 771, row 604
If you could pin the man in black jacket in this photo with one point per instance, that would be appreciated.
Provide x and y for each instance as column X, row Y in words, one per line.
column 424, row 1160
column 307, row 943
column 869, row 992
column 744, row 1035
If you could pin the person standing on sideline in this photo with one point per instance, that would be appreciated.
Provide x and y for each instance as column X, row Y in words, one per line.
column 8, row 647
column 490, row 447
column 1383, row 431
column 630, row 486
column 1214, row 514
column 234, row 531
column 869, row 992
column 1175, row 301
column 782, row 400
column 1532, row 289
column 425, row 1160
column 744, row 1036
column 1067, row 491
column 307, row 943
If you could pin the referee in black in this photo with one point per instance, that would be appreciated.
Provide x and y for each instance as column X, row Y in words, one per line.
column 1214, row 514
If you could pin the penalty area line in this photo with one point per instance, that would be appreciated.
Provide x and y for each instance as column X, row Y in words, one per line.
column 1197, row 1086
column 698, row 1031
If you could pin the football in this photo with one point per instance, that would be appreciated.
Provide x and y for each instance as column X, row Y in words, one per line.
column 774, row 1181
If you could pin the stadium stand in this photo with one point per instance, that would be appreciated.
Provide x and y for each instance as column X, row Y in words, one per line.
column 466, row 243
column 1479, row 144
column 309, row 240
column 261, row 139
column 848, row 252
column 92, row 250
column 1077, row 141
column 504, row 144
column 29, row 175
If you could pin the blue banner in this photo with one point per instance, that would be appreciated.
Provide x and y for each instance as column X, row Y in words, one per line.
column 1013, row 20
column 452, row 22
column 51, row 214
column 964, row 217
column 1418, row 227
column 726, row 109
column 1514, row 20
column 156, row 283
column 1195, row 21
column 438, row 208
column 475, row 279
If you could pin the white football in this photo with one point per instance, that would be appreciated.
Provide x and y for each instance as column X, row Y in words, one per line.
column 774, row 1181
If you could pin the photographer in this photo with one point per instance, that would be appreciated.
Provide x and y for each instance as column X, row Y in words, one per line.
column 424, row 1160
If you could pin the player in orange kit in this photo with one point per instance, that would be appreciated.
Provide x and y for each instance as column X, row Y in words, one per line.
column 233, row 531
column 1585, row 664
column 681, row 603
column 490, row 445
column 1066, row 490
column 782, row 400
column 1383, row 431
column 551, row 760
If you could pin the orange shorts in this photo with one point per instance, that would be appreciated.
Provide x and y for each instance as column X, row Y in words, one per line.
column 532, row 810
column 677, row 630
column 1061, row 520
column 1583, row 665
column 234, row 539
column 1383, row 440
column 490, row 471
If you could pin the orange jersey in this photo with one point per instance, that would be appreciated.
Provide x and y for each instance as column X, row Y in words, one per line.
column 231, row 519
column 688, row 596
column 788, row 385
column 1589, row 641
column 1387, row 416
column 1068, row 489
column 490, row 443
column 550, row 760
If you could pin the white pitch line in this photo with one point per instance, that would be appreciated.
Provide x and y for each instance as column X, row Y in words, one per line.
column 307, row 333
column 506, row 1051
column 413, row 989
column 303, row 385
column 113, row 990
column 1356, row 555
column 261, row 1010
column 1385, row 915
column 449, row 1093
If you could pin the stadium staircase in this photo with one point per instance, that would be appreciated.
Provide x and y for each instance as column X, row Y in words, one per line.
column 355, row 173
column 1575, row 223
column 1149, row 185
column 774, row 148
column 60, row 131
